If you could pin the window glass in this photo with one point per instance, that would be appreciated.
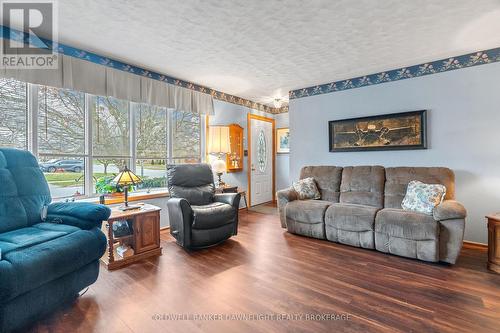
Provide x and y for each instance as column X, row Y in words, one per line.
column 61, row 121
column 186, row 136
column 110, row 127
column 152, row 173
column 151, row 145
column 151, row 131
column 13, row 114
column 61, row 131
column 65, row 175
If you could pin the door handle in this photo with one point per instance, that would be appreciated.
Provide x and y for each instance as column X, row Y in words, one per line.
column 253, row 167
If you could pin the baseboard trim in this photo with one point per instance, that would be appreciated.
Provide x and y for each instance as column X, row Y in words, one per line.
column 164, row 229
column 475, row 245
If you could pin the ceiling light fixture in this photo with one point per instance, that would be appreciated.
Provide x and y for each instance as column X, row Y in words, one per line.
column 278, row 102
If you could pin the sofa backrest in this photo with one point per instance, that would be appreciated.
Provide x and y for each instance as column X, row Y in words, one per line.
column 193, row 182
column 23, row 190
column 363, row 185
column 327, row 178
column 397, row 180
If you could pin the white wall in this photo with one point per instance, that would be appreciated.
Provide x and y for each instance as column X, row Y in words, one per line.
column 282, row 160
column 463, row 132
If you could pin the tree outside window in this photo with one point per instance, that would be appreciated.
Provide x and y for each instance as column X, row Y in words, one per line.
column 13, row 114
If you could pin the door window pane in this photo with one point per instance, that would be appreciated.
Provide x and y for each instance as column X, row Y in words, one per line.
column 110, row 126
column 61, row 121
column 13, row 110
column 64, row 175
column 186, row 146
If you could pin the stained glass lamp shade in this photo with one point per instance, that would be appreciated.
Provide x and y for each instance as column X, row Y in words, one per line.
column 125, row 179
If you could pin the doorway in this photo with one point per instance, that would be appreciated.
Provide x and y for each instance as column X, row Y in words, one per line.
column 261, row 159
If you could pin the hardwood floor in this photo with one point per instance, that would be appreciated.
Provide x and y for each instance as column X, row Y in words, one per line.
column 265, row 271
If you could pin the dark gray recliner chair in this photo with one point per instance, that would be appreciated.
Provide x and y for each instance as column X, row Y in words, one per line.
column 198, row 217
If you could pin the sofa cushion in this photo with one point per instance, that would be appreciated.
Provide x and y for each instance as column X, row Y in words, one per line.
column 199, row 195
column 327, row 179
column 31, row 266
column 397, row 180
column 406, row 224
column 38, row 233
column 351, row 217
column 422, row 197
column 363, row 185
column 193, row 182
column 213, row 215
column 307, row 211
column 24, row 189
column 306, row 189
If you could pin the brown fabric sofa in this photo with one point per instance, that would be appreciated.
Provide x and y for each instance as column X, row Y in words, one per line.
column 361, row 206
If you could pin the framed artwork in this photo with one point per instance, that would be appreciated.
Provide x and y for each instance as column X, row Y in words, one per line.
column 395, row 131
column 283, row 140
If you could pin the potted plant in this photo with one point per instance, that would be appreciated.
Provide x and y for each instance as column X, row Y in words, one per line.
column 104, row 185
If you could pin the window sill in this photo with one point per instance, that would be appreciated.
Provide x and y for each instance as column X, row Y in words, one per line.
column 139, row 196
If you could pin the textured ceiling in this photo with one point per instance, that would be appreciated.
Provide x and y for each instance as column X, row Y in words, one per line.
column 260, row 49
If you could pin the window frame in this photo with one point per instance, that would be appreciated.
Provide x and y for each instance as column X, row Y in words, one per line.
column 32, row 144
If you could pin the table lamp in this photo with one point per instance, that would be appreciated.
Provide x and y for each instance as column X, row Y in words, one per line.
column 218, row 144
column 126, row 178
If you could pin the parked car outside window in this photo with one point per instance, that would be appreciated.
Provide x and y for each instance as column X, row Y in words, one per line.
column 62, row 165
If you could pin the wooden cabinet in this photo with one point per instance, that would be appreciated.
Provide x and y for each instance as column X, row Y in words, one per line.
column 494, row 242
column 144, row 236
column 147, row 232
column 234, row 160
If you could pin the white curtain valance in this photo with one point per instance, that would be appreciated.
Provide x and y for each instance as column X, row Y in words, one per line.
column 155, row 92
column 85, row 76
column 123, row 85
column 81, row 75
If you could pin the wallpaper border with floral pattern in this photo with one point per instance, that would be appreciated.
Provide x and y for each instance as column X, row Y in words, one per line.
column 433, row 67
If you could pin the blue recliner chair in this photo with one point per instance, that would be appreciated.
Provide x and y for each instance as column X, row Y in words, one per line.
column 43, row 263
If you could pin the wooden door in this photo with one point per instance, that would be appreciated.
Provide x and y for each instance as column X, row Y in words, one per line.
column 147, row 232
column 261, row 143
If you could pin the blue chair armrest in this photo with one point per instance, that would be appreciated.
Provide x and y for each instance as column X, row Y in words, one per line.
column 83, row 215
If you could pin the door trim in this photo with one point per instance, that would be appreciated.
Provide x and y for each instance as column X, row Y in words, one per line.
column 251, row 116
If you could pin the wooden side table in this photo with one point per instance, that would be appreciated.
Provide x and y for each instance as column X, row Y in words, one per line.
column 234, row 189
column 144, row 237
column 494, row 242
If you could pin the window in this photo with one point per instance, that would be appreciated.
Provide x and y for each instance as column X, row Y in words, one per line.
column 61, row 121
column 61, row 140
column 151, row 145
column 83, row 141
column 111, row 137
column 185, row 137
column 13, row 114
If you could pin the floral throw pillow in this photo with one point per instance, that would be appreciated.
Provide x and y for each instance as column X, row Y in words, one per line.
column 306, row 189
column 421, row 197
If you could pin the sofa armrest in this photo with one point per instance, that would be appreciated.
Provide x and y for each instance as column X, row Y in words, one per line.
column 232, row 199
column 284, row 197
column 449, row 210
column 180, row 216
column 83, row 215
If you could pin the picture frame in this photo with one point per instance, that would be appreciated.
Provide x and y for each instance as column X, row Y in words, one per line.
column 283, row 140
column 393, row 131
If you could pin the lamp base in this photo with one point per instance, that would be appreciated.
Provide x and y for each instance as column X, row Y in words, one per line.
column 220, row 183
column 124, row 208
